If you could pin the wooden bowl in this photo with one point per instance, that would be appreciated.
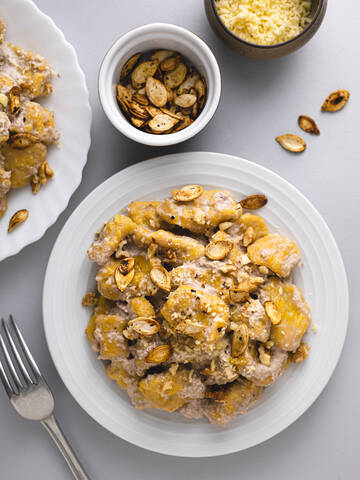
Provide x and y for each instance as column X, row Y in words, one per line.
column 261, row 52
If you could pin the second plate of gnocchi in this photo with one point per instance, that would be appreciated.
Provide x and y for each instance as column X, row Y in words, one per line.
column 215, row 304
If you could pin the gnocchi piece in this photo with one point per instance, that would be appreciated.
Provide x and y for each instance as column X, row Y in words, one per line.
column 111, row 234
column 207, row 211
column 37, row 120
column 34, row 74
column 103, row 307
column 256, row 222
column 232, row 401
column 142, row 307
column 261, row 374
column 185, row 248
column 23, row 163
column 276, row 252
column 170, row 392
column 198, row 277
column 295, row 314
column 108, row 332
column 116, row 372
column 139, row 285
column 197, row 314
column 145, row 214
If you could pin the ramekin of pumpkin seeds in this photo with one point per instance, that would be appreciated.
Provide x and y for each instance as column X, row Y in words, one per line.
column 159, row 84
column 159, row 92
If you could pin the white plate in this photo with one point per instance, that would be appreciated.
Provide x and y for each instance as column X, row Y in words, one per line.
column 32, row 30
column 70, row 274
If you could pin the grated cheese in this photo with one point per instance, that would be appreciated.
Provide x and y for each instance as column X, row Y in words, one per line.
column 265, row 22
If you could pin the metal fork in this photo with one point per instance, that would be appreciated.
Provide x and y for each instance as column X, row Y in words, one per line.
column 30, row 394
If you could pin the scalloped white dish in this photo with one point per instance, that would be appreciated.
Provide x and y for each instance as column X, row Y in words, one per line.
column 29, row 28
column 70, row 275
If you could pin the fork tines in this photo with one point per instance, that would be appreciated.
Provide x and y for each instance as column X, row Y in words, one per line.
column 18, row 376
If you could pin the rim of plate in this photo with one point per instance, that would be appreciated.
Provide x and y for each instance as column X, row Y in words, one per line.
column 224, row 443
column 29, row 9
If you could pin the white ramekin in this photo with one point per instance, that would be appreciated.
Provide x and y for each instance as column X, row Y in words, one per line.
column 151, row 37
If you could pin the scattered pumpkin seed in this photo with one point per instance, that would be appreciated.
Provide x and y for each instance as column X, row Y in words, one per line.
column 19, row 217
column 308, row 125
column 336, row 101
column 292, row 143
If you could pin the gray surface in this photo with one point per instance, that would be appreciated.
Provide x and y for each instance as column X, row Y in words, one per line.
column 259, row 102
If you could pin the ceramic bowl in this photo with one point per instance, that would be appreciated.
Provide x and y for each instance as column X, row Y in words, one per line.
column 152, row 37
column 262, row 52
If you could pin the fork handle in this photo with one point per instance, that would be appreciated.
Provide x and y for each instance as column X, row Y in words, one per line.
column 51, row 426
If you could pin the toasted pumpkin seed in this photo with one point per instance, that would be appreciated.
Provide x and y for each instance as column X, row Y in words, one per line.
column 137, row 122
column 126, row 264
column 123, row 93
column 336, row 101
column 170, row 94
column 188, row 83
column 19, row 217
column 152, row 111
column 240, row 340
column 292, row 143
column 181, row 125
column 160, row 55
column 189, row 327
column 138, row 110
column 145, row 326
column 23, row 140
column 124, row 106
column 129, row 66
column 142, row 71
column 140, row 98
column 170, row 113
column 170, row 63
column 162, row 123
column 122, row 281
column 308, row 125
column 273, row 313
column 161, row 278
column 253, row 202
column 200, row 88
column 159, row 354
column 186, row 100
column 156, row 92
column 219, row 249
column 187, row 193
column 174, row 78
column 14, row 99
